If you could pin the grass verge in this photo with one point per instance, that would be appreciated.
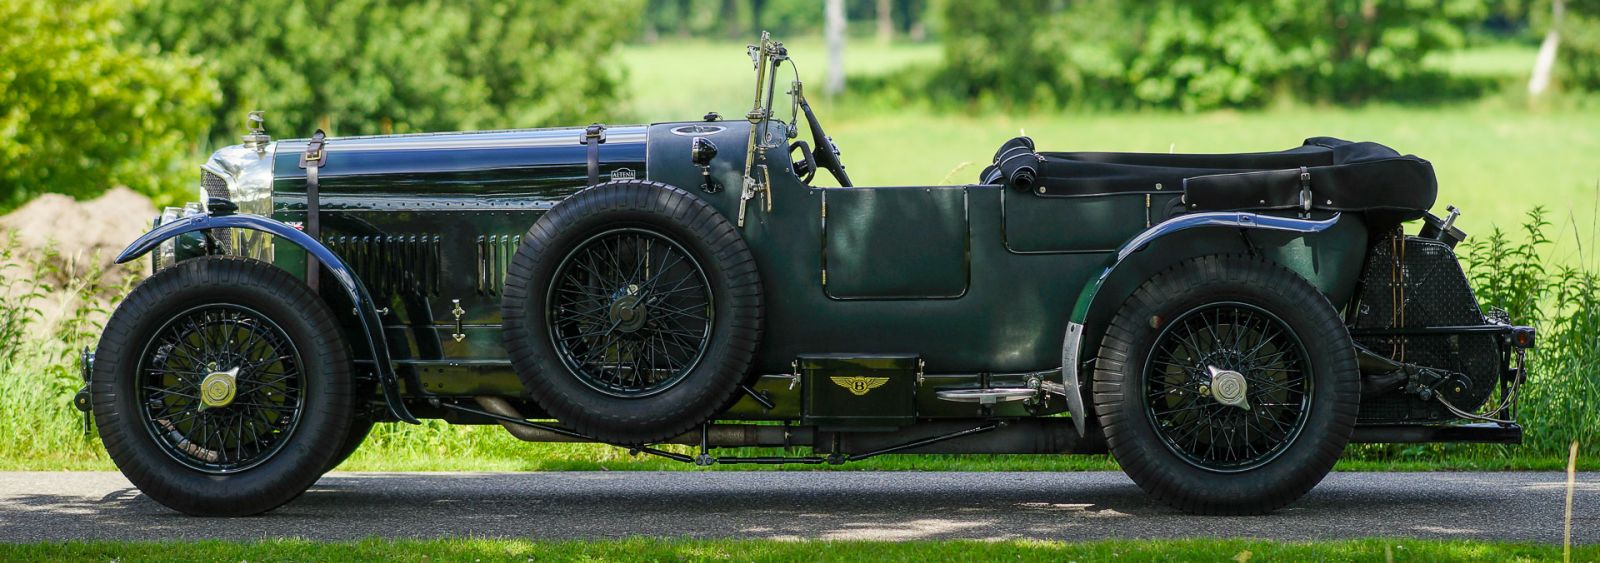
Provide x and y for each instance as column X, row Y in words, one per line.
column 768, row 550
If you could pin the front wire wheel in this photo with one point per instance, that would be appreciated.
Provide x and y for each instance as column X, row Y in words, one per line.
column 1226, row 385
column 221, row 388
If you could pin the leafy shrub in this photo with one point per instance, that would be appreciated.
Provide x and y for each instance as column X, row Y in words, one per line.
column 376, row 66
column 1580, row 45
column 1197, row 55
column 81, row 109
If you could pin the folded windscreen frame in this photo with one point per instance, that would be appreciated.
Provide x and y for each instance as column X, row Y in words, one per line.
column 1324, row 174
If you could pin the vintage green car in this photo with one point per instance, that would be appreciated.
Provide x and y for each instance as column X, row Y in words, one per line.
column 1222, row 324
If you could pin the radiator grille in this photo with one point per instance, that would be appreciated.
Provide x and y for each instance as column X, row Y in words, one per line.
column 391, row 265
column 1410, row 283
column 213, row 184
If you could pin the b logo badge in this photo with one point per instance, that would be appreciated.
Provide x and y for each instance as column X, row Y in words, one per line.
column 859, row 386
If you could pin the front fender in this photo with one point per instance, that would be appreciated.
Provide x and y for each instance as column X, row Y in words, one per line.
column 366, row 310
column 1072, row 346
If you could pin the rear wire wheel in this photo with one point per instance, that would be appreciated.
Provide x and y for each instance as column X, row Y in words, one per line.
column 1227, row 385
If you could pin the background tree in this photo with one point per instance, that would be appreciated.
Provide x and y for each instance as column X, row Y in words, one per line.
column 835, row 36
column 1580, row 45
column 1198, row 55
column 81, row 111
column 372, row 66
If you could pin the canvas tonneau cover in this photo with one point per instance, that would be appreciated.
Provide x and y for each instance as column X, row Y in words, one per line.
column 1323, row 173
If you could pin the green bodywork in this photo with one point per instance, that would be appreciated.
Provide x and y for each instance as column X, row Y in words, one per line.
column 977, row 281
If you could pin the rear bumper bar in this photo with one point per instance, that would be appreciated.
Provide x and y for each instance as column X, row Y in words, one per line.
column 1479, row 433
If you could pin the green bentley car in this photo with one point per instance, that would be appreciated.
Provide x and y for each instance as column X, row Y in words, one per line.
column 1222, row 324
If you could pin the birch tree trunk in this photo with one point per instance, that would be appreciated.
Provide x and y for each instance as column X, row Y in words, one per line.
column 834, row 30
column 885, row 21
column 1545, row 64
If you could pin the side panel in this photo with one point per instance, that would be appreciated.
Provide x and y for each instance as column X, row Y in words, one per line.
column 895, row 243
column 1080, row 223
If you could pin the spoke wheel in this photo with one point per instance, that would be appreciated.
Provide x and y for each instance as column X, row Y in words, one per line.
column 1226, row 384
column 1229, row 386
column 221, row 388
column 630, row 312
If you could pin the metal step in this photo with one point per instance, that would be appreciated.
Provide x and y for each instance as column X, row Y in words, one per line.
column 987, row 396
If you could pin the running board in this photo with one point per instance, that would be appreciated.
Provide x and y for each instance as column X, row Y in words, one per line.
column 1479, row 433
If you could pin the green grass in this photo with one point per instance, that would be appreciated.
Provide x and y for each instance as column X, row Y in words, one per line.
column 639, row 549
column 1511, row 61
column 1494, row 163
column 682, row 80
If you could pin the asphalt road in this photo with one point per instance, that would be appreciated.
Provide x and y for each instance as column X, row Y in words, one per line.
column 815, row 505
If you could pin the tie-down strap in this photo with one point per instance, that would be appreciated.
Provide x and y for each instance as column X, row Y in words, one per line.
column 594, row 136
column 311, row 160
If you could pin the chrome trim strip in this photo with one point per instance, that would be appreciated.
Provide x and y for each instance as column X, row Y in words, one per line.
column 509, row 139
column 1223, row 219
column 1069, row 376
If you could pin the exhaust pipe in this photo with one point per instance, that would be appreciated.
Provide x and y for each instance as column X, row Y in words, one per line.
column 717, row 435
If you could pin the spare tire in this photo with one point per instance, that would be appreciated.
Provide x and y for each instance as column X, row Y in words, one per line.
column 632, row 311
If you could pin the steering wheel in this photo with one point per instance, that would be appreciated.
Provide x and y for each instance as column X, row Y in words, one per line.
column 827, row 155
column 806, row 167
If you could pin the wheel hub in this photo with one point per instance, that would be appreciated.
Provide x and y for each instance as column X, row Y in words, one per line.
column 628, row 311
column 1229, row 387
column 218, row 388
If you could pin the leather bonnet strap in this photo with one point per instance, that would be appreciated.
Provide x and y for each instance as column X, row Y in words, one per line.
column 311, row 160
column 593, row 136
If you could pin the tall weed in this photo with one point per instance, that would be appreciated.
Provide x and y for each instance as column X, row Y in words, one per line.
column 1561, row 399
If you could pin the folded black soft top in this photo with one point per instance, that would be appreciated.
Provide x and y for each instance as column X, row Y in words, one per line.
column 1323, row 173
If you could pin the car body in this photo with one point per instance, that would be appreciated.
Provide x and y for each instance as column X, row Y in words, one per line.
column 854, row 321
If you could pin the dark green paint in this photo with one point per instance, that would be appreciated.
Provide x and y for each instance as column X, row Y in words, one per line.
column 976, row 281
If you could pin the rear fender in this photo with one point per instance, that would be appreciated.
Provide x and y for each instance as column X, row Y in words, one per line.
column 1096, row 302
column 366, row 311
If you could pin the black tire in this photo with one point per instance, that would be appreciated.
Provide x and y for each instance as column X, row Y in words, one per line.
column 359, row 429
column 618, row 396
column 295, row 403
column 1154, row 386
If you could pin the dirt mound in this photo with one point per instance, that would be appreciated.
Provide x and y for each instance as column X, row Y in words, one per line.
column 79, row 231
column 58, row 242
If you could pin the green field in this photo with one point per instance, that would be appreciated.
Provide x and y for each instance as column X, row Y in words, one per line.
column 1494, row 158
column 639, row 549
